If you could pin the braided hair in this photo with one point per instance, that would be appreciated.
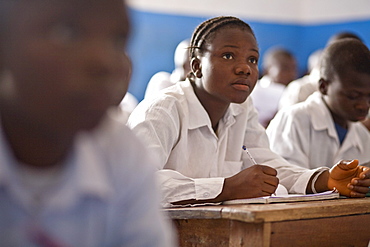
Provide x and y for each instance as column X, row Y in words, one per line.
column 205, row 32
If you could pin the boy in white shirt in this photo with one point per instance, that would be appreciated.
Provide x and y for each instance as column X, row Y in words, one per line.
column 326, row 128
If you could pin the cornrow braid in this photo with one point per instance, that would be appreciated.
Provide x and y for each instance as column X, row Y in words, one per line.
column 203, row 31
column 206, row 30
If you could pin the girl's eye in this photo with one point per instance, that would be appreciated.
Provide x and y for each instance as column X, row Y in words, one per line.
column 253, row 60
column 228, row 56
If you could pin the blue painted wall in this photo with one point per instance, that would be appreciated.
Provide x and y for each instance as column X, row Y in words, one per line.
column 155, row 37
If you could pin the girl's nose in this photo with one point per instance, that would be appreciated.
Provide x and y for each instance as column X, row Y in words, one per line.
column 243, row 68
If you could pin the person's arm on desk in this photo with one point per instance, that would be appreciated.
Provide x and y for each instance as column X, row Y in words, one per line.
column 255, row 181
column 347, row 177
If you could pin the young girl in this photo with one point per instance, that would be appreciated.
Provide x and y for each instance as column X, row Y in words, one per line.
column 197, row 128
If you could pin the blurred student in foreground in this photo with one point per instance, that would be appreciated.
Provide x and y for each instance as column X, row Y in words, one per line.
column 69, row 175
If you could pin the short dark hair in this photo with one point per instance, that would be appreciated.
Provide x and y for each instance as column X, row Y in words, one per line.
column 345, row 54
column 343, row 35
column 273, row 54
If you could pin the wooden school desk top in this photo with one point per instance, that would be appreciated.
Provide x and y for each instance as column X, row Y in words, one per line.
column 337, row 222
column 275, row 211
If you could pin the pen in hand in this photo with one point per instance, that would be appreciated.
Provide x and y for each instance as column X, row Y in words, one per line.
column 249, row 155
column 252, row 159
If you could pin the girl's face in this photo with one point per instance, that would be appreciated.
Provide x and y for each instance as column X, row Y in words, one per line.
column 67, row 59
column 228, row 66
column 348, row 96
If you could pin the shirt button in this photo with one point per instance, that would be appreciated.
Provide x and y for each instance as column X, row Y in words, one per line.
column 206, row 194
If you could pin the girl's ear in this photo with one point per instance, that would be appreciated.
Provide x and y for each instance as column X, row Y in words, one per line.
column 323, row 86
column 196, row 67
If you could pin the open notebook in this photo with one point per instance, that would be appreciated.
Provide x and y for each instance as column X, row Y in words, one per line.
column 283, row 196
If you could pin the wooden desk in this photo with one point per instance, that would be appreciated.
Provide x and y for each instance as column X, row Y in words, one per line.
column 339, row 222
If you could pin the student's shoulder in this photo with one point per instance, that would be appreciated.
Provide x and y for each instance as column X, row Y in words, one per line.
column 298, row 114
column 309, row 106
column 296, row 110
column 172, row 98
column 362, row 130
column 119, row 146
column 174, row 93
column 295, row 84
column 112, row 133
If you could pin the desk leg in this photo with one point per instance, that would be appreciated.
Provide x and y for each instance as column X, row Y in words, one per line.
column 248, row 234
column 203, row 232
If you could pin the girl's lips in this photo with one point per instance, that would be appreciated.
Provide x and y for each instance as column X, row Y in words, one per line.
column 241, row 87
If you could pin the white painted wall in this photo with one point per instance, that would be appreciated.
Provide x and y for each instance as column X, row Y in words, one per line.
column 278, row 11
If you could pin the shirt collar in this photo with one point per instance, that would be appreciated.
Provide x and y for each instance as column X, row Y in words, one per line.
column 319, row 114
column 320, row 121
column 355, row 139
column 5, row 158
column 85, row 174
column 199, row 116
column 91, row 177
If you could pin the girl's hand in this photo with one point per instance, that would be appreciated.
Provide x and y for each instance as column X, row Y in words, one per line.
column 255, row 181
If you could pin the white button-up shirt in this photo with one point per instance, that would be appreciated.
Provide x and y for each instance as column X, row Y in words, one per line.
column 266, row 96
column 106, row 196
column 305, row 135
column 194, row 160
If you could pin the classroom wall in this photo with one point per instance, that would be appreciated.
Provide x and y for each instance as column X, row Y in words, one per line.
column 301, row 26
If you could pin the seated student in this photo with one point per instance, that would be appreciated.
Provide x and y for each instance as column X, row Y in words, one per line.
column 299, row 90
column 280, row 68
column 69, row 176
column 163, row 79
column 129, row 102
column 126, row 104
column 124, row 109
column 197, row 128
column 325, row 128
